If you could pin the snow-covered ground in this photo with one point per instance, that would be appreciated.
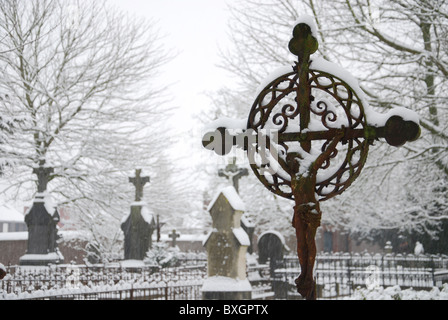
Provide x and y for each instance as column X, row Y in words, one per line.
column 396, row 293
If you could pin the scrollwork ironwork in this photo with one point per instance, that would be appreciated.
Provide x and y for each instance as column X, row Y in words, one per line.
column 335, row 106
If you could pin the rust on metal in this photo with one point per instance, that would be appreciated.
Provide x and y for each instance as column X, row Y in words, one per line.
column 320, row 126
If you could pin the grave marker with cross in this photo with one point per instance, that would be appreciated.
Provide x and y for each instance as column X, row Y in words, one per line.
column 43, row 176
column 42, row 246
column 234, row 173
column 139, row 225
column 139, row 182
column 307, row 138
column 174, row 235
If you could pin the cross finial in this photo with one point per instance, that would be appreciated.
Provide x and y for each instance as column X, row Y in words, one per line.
column 139, row 182
column 233, row 173
column 43, row 176
column 174, row 236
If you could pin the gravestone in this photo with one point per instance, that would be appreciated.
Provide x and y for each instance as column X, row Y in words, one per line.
column 234, row 173
column 271, row 246
column 226, row 247
column 173, row 235
column 139, row 224
column 42, row 219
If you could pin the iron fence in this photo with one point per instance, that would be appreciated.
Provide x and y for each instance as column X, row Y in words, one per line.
column 101, row 282
column 337, row 275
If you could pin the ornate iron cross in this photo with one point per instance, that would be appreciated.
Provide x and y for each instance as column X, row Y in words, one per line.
column 139, row 182
column 307, row 138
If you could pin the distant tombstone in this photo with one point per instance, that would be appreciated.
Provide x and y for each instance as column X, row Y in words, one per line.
column 174, row 235
column 388, row 247
column 271, row 246
column 226, row 247
column 139, row 224
column 234, row 173
column 42, row 219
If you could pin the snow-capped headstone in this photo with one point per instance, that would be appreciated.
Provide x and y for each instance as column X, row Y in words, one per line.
column 139, row 224
column 42, row 219
column 226, row 246
column 234, row 173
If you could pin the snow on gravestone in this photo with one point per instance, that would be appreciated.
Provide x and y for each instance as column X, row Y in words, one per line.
column 138, row 225
column 226, row 246
column 42, row 219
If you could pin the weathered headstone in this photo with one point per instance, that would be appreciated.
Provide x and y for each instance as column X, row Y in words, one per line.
column 139, row 224
column 42, row 219
column 226, row 247
column 271, row 246
column 174, row 235
column 234, row 173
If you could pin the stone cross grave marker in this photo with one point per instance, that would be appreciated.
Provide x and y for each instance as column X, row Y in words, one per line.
column 139, row 182
column 174, row 235
column 139, row 224
column 42, row 219
column 226, row 249
column 234, row 173
column 43, row 176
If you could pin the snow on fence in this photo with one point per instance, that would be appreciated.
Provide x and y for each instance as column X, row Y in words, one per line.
column 338, row 274
column 102, row 282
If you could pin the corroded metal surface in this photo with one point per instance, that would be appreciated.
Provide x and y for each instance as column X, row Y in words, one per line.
column 307, row 139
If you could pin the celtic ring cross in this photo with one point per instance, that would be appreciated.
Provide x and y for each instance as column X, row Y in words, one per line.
column 307, row 137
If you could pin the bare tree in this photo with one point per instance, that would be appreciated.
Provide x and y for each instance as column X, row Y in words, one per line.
column 83, row 77
column 398, row 51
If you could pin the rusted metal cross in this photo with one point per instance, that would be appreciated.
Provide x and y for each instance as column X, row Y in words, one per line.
column 139, row 182
column 307, row 138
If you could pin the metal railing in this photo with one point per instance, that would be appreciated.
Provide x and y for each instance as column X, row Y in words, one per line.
column 337, row 274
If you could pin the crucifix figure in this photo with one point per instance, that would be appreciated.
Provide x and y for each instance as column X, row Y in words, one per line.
column 43, row 176
column 233, row 173
column 307, row 138
column 139, row 183
column 173, row 235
